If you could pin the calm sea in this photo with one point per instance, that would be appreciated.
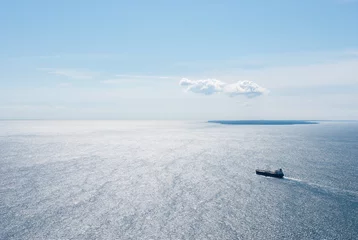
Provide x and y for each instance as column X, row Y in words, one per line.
column 177, row 180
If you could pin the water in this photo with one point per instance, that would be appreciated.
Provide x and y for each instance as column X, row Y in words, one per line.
column 177, row 180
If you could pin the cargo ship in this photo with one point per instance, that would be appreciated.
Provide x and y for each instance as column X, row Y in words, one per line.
column 277, row 173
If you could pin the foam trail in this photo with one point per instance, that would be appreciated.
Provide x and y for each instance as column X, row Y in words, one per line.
column 293, row 179
column 325, row 188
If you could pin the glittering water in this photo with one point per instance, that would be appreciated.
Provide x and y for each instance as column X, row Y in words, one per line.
column 177, row 180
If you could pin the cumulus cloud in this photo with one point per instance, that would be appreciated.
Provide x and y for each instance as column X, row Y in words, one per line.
column 207, row 87
column 212, row 86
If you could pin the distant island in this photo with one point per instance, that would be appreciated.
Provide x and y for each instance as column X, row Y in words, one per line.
column 262, row 122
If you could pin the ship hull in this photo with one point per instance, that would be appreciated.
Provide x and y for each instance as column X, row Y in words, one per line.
column 269, row 174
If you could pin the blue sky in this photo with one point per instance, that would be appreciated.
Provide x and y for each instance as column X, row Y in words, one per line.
column 125, row 59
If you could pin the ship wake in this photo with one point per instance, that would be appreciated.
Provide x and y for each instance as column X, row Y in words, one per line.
column 324, row 188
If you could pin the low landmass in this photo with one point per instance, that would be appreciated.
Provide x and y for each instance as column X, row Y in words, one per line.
column 263, row 122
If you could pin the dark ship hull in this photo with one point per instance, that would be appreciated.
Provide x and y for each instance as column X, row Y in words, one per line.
column 276, row 174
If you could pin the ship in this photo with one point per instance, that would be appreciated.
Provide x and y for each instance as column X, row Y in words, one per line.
column 277, row 173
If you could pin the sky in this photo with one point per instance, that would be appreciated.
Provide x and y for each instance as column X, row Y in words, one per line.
column 179, row 60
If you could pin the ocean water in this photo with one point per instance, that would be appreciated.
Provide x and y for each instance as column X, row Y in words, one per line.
column 177, row 180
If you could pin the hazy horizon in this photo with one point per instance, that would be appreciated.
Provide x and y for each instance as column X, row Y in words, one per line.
column 203, row 120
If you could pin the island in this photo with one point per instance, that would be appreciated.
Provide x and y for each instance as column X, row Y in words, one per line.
column 263, row 122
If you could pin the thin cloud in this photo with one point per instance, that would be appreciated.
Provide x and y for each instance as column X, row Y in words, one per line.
column 213, row 86
column 145, row 76
column 71, row 56
column 136, row 81
column 112, row 81
column 353, row 53
column 347, row 1
column 70, row 73
column 115, row 81
column 214, row 67
column 64, row 85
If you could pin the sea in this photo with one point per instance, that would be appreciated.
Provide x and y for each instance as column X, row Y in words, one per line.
column 177, row 180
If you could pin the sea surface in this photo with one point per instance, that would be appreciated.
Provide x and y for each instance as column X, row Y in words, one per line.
column 177, row 180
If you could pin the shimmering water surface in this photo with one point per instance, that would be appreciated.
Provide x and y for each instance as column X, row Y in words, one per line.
column 177, row 180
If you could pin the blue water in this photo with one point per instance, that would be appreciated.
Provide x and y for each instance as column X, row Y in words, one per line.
column 177, row 180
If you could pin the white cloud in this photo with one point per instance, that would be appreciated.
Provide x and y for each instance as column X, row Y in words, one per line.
column 207, row 87
column 70, row 73
column 247, row 88
column 212, row 86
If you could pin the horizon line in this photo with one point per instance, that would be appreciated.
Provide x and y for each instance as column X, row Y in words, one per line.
column 68, row 119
